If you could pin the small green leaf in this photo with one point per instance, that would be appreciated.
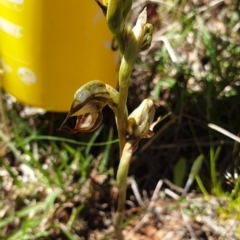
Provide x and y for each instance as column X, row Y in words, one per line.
column 179, row 172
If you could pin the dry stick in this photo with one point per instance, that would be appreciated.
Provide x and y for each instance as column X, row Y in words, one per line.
column 136, row 192
column 155, row 196
column 188, row 225
column 165, row 126
column 224, row 132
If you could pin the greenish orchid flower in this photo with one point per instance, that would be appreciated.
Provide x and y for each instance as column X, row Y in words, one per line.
column 140, row 122
column 89, row 100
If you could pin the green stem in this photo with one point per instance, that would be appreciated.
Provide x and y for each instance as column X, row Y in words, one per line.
column 124, row 74
column 132, row 41
column 126, row 67
column 122, row 185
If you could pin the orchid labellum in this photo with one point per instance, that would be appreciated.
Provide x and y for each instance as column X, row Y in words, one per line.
column 89, row 100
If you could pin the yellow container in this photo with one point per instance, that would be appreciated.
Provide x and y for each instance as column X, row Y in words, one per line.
column 49, row 48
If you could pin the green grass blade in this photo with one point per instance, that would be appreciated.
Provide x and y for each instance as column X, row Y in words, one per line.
column 92, row 140
column 22, row 213
column 179, row 172
column 194, row 172
column 105, row 158
column 67, row 232
column 66, row 140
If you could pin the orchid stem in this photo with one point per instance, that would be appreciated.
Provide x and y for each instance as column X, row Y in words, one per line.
column 122, row 173
column 126, row 67
column 124, row 75
column 130, row 42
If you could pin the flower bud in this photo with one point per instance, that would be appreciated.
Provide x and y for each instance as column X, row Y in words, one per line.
column 140, row 121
